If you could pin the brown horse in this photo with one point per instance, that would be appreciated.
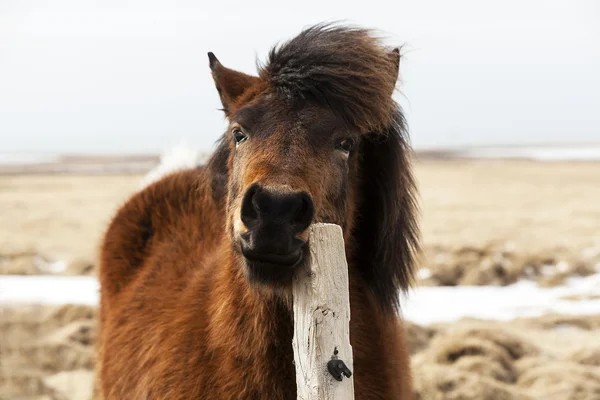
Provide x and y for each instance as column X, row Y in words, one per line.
column 196, row 268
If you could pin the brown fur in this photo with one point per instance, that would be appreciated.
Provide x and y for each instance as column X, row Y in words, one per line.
column 180, row 316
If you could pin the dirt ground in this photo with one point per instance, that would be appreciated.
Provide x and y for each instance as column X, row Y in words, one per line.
column 483, row 223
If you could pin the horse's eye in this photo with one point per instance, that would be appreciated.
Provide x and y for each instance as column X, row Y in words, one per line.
column 345, row 145
column 239, row 136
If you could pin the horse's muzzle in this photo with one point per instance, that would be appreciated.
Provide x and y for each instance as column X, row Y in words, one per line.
column 274, row 220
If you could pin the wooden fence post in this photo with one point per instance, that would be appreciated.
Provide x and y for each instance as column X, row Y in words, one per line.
column 321, row 317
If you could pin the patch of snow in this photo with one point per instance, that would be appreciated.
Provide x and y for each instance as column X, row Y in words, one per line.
column 422, row 305
column 178, row 158
column 46, row 266
column 48, row 289
column 585, row 285
column 424, row 273
column 562, row 266
column 427, row 305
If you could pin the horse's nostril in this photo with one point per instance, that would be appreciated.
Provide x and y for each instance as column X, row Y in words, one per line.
column 260, row 205
column 305, row 213
column 249, row 212
column 263, row 202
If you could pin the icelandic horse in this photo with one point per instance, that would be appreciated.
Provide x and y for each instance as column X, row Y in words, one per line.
column 196, row 268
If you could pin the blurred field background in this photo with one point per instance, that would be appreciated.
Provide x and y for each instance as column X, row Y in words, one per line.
column 501, row 100
column 485, row 223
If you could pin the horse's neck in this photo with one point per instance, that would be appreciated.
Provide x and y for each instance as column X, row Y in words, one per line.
column 243, row 319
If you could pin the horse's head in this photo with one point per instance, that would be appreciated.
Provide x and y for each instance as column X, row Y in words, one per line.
column 315, row 137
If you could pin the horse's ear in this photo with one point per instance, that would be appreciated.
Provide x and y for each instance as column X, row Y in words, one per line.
column 395, row 56
column 386, row 231
column 230, row 84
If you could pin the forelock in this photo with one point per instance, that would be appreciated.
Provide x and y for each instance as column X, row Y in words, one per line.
column 344, row 68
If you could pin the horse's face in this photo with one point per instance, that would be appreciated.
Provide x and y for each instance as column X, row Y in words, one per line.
column 289, row 167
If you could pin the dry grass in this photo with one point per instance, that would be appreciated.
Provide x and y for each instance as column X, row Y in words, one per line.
column 47, row 218
column 48, row 351
column 483, row 222
column 40, row 343
column 499, row 265
column 533, row 207
column 522, row 359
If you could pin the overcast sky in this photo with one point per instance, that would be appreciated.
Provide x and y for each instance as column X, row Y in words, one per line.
column 133, row 76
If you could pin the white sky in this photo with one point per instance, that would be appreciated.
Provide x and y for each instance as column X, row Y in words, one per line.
column 133, row 76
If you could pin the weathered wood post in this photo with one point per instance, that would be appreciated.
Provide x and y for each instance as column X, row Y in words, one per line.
column 321, row 317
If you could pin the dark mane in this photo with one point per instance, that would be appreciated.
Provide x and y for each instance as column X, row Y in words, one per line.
column 387, row 232
column 343, row 67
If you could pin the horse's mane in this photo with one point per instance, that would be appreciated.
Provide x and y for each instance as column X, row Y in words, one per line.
column 345, row 68
column 348, row 70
